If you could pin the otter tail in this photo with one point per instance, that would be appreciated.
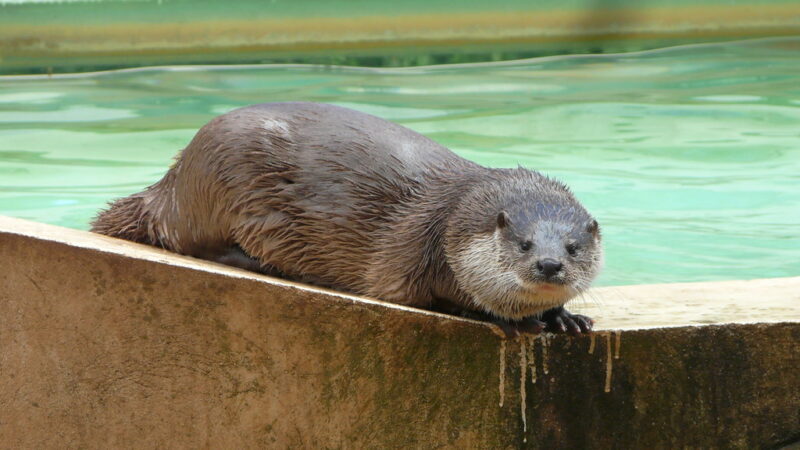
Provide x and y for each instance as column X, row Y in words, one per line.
column 127, row 218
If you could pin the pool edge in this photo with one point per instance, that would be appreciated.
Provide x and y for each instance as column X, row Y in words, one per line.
column 108, row 343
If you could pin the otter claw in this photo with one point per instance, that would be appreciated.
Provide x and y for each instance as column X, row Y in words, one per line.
column 557, row 324
column 561, row 320
column 531, row 325
column 556, row 320
column 511, row 330
column 515, row 329
column 585, row 323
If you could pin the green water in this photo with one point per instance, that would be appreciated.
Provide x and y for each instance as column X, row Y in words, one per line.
column 689, row 157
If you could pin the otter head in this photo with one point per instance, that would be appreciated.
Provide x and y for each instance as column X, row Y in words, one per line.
column 520, row 244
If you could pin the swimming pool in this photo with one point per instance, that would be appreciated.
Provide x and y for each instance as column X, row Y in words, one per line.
column 688, row 156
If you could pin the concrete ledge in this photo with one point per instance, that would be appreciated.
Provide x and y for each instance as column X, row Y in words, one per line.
column 769, row 300
column 105, row 343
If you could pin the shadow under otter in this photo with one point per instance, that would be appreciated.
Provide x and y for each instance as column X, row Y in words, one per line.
column 337, row 198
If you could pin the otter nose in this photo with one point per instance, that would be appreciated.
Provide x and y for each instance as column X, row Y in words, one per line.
column 548, row 267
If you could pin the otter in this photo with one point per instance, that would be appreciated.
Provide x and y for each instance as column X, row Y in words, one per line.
column 341, row 199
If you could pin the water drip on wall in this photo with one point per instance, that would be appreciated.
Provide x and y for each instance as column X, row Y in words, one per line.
column 502, row 371
column 543, row 338
column 609, row 363
column 523, row 365
column 532, row 359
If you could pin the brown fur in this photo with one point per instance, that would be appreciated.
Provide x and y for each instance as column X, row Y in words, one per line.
column 341, row 199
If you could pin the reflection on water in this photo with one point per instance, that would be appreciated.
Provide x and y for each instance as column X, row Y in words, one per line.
column 690, row 157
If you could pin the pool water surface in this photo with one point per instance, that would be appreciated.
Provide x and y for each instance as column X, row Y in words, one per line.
column 689, row 157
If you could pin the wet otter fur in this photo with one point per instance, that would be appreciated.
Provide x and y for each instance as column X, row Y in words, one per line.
column 342, row 199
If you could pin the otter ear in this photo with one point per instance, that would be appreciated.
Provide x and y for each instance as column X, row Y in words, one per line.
column 502, row 220
column 593, row 227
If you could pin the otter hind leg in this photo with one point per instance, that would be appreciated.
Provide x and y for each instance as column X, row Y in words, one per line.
column 235, row 257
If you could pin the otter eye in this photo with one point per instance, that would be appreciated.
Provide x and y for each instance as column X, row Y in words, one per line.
column 572, row 248
column 525, row 246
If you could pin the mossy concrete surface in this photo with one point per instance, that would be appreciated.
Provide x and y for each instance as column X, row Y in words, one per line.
column 107, row 344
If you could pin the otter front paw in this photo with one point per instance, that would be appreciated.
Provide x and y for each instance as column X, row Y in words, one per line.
column 514, row 328
column 559, row 320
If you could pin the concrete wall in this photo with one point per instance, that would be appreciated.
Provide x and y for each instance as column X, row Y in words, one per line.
column 105, row 343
